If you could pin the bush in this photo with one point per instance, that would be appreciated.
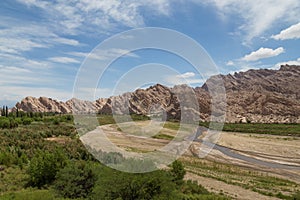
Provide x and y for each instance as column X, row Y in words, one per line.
column 7, row 159
column 27, row 121
column 4, row 122
column 13, row 123
column 56, row 121
column 113, row 184
column 177, row 171
column 192, row 187
column 76, row 180
column 43, row 168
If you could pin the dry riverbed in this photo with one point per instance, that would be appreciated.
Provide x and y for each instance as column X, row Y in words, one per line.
column 220, row 172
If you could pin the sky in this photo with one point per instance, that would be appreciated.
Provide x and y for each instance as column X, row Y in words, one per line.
column 44, row 44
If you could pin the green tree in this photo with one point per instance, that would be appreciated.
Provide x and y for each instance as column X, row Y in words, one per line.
column 113, row 184
column 6, row 111
column 3, row 111
column 44, row 166
column 76, row 180
column 177, row 171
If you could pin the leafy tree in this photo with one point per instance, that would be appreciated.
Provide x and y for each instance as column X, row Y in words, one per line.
column 44, row 166
column 76, row 180
column 113, row 184
column 177, row 171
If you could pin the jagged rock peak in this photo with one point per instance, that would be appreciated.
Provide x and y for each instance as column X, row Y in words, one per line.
column 262, row 95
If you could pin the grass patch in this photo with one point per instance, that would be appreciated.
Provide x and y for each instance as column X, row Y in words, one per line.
column 163, row 136
column 172, row 125
column 248, row 179
column 30, row 194
column 258, row 128
column 110, row 119
column 273, row 129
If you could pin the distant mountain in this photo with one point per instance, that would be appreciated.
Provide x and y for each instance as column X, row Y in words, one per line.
column 266, row 96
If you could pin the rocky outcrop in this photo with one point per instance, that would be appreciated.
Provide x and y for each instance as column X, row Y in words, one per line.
column 43, row 104
column 263, row 95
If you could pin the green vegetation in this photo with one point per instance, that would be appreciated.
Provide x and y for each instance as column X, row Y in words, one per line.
column 44, row 166
column 248, row 179
column 76, row 180
column 43, row 158
column 177, row 171
column 163, row 136
column 273, row 129
column 29, row 194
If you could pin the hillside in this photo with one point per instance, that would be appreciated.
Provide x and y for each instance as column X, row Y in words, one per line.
column 264, row 96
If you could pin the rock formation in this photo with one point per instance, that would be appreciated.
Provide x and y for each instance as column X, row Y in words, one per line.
column 267, row 96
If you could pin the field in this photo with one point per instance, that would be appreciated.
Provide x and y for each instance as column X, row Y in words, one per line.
column 263, row 165
column 277, row 177
column 42, row 157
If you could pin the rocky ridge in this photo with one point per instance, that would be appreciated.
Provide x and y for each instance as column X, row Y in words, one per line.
column 267, row 96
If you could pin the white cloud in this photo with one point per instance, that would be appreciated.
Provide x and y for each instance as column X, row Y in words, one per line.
column 17, row 93
column 186, row 75
column 16, row 38
column 263, row 53
column 22, row 62
column 291, row 62
column 257, row 16
column 66, row 41
column 17, row 45
column 230, row 63
column 85, row 93
column 100, row 54
column 73, row 16
column 186, row 78
column 293, row 32
column 65, row 60
column 13, row 70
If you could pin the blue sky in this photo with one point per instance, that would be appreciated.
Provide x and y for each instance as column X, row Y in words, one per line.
column 43, row 43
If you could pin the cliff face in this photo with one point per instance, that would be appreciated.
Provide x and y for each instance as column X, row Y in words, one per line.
column 263, row 95
column 42, row 104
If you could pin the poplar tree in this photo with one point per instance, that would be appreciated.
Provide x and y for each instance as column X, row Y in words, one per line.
column 6, row 111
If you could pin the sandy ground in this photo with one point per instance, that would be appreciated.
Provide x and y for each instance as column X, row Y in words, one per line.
column 274, row 149
column 283, row 148
column 233, row 191
column 138, row 139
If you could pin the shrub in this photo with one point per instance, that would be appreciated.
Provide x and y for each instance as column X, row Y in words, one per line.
column 56, row 121
column 178, row 171
column 44, row 166
column 4, row 122
column 13, row 123
column 76, row 180
column 113, row 184
column 27, row 121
